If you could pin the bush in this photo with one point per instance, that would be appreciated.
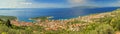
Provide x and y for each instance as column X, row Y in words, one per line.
column 99, row 28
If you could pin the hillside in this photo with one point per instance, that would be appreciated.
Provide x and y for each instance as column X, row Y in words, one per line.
column 103, row 23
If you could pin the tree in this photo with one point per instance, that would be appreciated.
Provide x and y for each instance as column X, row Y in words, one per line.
column 8, row 23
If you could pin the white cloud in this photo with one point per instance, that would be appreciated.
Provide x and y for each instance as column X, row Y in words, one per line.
column 29, row 4
column 11, row 3
column 78, row 2
column 46, row 5
column 116, row 4
column 26, row 4
column 74, row 3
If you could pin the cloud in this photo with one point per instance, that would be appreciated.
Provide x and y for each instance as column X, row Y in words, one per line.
column 97, row 3
column 71, row 3
column 28, row 4
column 78, row 2
column 11, row 3
column 115, row 4
column 25, row 3
column 48, row 5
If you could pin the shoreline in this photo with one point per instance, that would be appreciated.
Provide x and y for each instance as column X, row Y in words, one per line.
column 103, row 22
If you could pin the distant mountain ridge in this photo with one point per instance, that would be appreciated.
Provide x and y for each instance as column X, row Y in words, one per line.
column 89, row 7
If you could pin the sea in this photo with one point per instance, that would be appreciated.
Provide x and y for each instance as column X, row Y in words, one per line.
column 23, row 14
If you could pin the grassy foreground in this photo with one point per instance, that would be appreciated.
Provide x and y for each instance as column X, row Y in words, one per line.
column 104, row 23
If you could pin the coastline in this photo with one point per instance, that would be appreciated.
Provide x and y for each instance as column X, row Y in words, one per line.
column 81, row 24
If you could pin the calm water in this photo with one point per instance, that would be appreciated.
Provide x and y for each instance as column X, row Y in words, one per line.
column 58, row 13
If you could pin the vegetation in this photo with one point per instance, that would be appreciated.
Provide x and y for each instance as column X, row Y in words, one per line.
column 42, row 18
column 8, row 17
column 108, row 24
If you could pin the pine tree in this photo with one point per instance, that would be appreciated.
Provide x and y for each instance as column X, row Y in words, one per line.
column 8, row 23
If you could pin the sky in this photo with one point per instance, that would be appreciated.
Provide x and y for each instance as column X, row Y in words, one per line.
column 57, row 3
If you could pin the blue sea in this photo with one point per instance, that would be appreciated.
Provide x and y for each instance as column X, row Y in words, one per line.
column 24, row 14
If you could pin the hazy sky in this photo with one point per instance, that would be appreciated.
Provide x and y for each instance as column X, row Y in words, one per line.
column 57, row 3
